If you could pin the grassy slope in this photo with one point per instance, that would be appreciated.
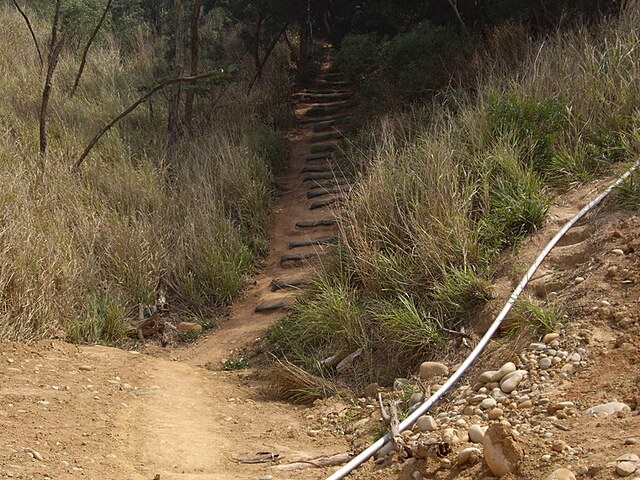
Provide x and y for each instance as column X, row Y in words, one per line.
column 448, row 186
column 78, row 252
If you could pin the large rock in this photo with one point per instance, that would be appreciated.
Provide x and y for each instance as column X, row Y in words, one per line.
column 561, row 474
column 511, row 381
column 426, row 423
column 476, row 433
column 429, row 370
column 501, row 450
column 609, row 408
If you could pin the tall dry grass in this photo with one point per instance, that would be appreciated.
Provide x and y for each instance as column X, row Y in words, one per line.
column 445, row 187
column 79, row 251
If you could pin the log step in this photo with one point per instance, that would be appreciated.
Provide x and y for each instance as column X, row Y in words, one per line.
column 341, row 117
column 325, row 222
column 317, row 169
column 323, row 147
column 323, row 137
column 322, row 176
column 318, row 156
column 296, row 257
column 333, row 83
column 322, row 193
column 324, row 97
column 282, row 283
column 339, row 182
column 316, row 111
column 270, row 305
column 325, row 203
column 308, row 243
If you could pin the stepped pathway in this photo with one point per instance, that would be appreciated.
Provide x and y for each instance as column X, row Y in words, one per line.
column 303, row 226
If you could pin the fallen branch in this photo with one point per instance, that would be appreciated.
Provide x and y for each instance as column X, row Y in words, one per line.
column 261, row 457
column 319, row 462
column 391, row 418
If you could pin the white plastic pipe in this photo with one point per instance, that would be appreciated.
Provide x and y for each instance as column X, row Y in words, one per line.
column 424, row 407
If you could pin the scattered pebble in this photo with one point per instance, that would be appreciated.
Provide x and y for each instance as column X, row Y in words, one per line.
column 561, row 474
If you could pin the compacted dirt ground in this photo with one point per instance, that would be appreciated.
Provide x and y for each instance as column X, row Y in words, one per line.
column 101, row 413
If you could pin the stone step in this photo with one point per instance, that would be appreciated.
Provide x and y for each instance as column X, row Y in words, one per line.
column 298, row 257
column 308, row 243
column 324, row 222
column 325, row 203
column 283, row 283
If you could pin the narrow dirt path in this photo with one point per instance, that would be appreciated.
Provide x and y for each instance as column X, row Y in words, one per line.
column 302, row 227
column 105, row 413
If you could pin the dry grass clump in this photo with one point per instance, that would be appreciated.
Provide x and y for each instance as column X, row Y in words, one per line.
column 78, row 252
column 446, row 187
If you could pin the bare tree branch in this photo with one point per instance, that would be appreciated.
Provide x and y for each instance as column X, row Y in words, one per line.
column 131, row 108
column 33, row 34
column 195, row 57
column 88, row 46
column 266, row 57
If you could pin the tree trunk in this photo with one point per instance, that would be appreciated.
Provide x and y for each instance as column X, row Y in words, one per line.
column 174, row 101
column 292, row 48
column 55, row 47
column 256, row 42
column 195, row 56
column 454, row 6
column 303, row 63
column 88, row 46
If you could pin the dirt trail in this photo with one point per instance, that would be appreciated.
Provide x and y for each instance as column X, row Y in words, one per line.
column 105, row 413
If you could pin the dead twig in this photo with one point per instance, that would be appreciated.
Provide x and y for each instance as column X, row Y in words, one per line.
column 319, row 462
column 391, row 418
column 261, row 457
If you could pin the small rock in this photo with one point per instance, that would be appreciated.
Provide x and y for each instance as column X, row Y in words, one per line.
column 575, row 357
column 429, row 370
column 488, row 376
column 85, row 368
column 546, row 458
column 526, row 404
column 488, row 403
column 618, row 251
column 568, row 368
column 266, row 477
column 505, row 370
column 476, row 433
column 189, row 327
column 35, row 454
column 371, row 390
column 414, row 399
column 501, row 450
column 426, row 423
column 561, row 474
column 495, row 414
column 558, row 446
column 550, row 337
column 544, row 363
column 609, row 408
column 469, row 455
column 624, row 469
column 579, row 280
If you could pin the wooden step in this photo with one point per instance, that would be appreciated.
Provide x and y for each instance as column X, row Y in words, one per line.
column 283, row 283
column 323, row 137
column 308, row 243
column 298, row 257
column 339, row 182
column 325, row 222
column 337, row 118
column 323, row 147
column 318, row 169
column 323, row 176
column 325, row 203
column 324, row 192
